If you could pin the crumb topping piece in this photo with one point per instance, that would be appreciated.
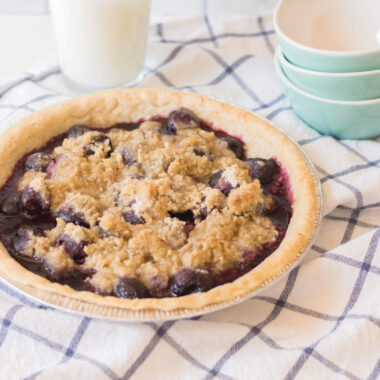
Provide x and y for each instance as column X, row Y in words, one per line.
column 161, row 204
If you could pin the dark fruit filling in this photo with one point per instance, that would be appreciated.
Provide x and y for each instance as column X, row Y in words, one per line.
column 189, row 281
column 73, row 248
column 27, row 213
column 130, row 287
column 70, row 215
column 132, row 218
column 217, row 182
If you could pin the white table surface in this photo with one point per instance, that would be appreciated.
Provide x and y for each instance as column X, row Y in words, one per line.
column 28, row 38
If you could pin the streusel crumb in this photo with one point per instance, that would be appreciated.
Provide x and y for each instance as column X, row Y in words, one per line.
column 147, row 203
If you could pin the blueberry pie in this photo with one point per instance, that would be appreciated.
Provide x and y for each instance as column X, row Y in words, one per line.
column 150, row 200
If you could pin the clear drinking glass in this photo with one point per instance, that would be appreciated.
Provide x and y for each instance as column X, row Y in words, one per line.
column 101, row 43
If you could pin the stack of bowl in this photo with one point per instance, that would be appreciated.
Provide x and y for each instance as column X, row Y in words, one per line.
column 329, row 63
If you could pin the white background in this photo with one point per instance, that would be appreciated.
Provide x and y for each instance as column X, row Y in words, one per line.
column 26, row 33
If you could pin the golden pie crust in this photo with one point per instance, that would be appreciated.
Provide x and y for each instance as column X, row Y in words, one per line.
column 104, row 109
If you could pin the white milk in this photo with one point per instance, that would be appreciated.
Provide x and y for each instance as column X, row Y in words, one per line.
column 101, row 43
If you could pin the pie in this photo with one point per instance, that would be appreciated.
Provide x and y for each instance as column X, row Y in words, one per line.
column 150, row 200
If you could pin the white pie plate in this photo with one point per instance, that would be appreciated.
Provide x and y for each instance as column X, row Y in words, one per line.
column 112, row 313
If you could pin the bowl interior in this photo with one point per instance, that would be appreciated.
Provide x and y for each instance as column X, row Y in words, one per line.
column 338, row 25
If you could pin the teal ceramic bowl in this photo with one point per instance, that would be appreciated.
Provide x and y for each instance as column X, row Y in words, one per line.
column 341, row 119
column 362, row 85
column 329, row 36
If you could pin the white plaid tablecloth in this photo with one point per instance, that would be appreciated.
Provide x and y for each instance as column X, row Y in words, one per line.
column 321, row 321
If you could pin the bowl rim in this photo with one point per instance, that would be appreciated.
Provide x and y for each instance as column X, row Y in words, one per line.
column 334, row 53
column 352, row 74
column 290, row 84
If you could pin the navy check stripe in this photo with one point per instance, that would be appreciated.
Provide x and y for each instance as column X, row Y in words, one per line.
column 217, row 37
column 269, row 104
column 352, row 169
column 352, row 262
column 351, row 220
column 236, row 77
column 317, row 314
column 352, row 150
column 15, row 107
column 329, row 364
column 375, row 374
column 58, row 347
column 7, row 322
column 168, row 83
column 253, row 332
column 265, row 35
column 160, row 32
column 331, row 139
column 350, row 226
column 355, row 212
column 318, row 249
column 315, row 354
column 346, row 260
column 227, row 71
column 277, row 111
column 76, row 338
column 350, row 304
column 160, row 332
column 31, row 79
column 185, row 354
column 69, row 353
column 241, row 83
column 312, row 139
column 208, row 24
column 363, row 207
column 9, row 291
column 28, row 103
column 358, row 195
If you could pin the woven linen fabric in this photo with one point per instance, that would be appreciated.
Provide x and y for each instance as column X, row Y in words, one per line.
column 320, row 321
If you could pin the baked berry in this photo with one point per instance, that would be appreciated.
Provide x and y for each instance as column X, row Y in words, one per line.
column 100, row 141
column 51, row 168
column 75, row 278
column 199, row 152
column 228, row 275
column 280, row 212
column 216, row 181
column 70, row 215
column 188, row 227
column 167, row 129
column 104, row 233
column 159, row 287
column 37, row 162
column 251, row 259
column 263, row 170
column 188, row 281
column 21, row 240
column 236, row 146
column 182, row 118
column 185, row 216
column 32, row 202
column 11, row 205
column 130, row 287
column 132, row 218
column 127, row 156
column 73, row 248
column 77, row 130
column 203, row 213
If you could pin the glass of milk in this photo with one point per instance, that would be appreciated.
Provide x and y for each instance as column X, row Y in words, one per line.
column 101, row 43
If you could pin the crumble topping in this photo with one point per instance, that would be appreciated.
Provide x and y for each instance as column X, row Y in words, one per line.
column 160, row 202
